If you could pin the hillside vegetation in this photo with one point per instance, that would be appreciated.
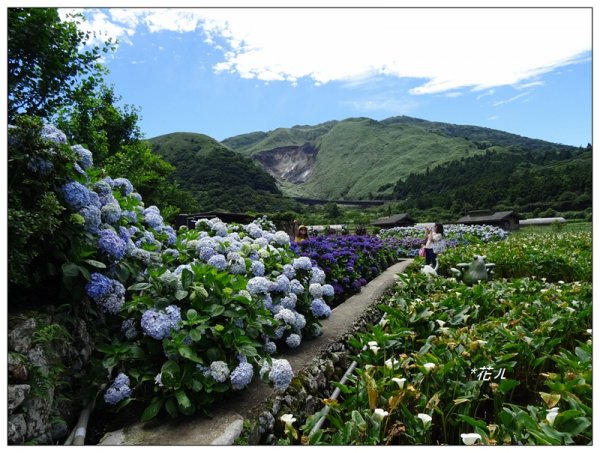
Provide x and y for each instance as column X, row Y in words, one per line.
column 361, row 158
column 219, row 178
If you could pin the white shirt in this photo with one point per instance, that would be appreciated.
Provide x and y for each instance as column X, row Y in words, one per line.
column 431, row 238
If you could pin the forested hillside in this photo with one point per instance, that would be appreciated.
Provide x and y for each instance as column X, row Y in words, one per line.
column 219, row 178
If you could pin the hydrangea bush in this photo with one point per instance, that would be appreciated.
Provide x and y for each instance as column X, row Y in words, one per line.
column 349, row 261
column 188, row 315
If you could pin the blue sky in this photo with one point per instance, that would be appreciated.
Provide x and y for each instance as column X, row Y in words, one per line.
column 224, row 72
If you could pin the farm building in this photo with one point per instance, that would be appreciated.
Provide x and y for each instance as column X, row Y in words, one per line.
column 542, row 221
column 394, row 221
column 507, row 220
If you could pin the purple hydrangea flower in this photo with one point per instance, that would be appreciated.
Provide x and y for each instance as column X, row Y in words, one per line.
column 289, row 271
column 98, row 286
column 128, row 329
column 296, row 287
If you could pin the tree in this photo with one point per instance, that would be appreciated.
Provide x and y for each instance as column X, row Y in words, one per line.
column 45, row 61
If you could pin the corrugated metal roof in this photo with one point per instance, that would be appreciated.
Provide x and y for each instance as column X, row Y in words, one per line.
column 391, row 220
column 495, row 217
column 542, row 221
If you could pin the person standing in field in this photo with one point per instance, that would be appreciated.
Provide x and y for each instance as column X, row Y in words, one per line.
column 434, row 243
column 302, row 234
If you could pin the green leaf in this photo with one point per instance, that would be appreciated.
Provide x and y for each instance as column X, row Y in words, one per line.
column 180, row 294
column 84, row 272
column 215, row 310
column 171, row 407
column 171, row 373
column 247, row 350
column 187, row 278
column 473, row 422
column 152, row 410
column 188, row 353
column 182, row 399
column 195, row 334
column 506, row 385
column 140, row 286
column 191, row 314
column 70, row 269
column 95, row 263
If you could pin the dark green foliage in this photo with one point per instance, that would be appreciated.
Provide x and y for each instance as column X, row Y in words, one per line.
column 45, row 61
column 36, row 219
column 218, row 177
column 509, row 180
column 95, row 121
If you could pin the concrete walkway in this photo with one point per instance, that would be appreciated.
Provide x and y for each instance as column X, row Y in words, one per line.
column 227, row 421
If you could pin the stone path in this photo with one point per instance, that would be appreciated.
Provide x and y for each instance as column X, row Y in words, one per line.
column 227, row 421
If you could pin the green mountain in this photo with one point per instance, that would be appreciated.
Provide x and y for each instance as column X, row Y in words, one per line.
column 360, row 158
column 218, row 177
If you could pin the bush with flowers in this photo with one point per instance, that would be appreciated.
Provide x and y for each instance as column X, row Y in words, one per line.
column 186, row 316
column 413, row 237
column 350, row 261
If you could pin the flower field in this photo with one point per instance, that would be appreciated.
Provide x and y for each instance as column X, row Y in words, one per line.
column 502, row 362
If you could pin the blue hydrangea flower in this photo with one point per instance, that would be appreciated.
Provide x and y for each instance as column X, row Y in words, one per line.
column 40, row 165
column 241, row 376
column 171, row 235
column 110, row 243
column 181, row 267
column 270, row 347
column 219, row 371
column 281, row 238
column 124, row 185
column 218, row 261
column 111, row 213
column 300, row 322
column 136, row 196
column 119, row 390
column 50, row 132
column 303, row 263
column 296, row 287
column 289, row 301
column 317, row 276
column 98, row 286
column 76, row 195
column 293, row 341
column 95, row 200
column 102, row 188
column 237, row 267
column 289, row 271
column 253, row 230
column 173, row 252
column 257, row 268
column 128, row 329
column 91, row 217
column 205, row 253
column 258, row 285
column 315, row 290
column 281, row 284
column 320, row 309
column 286, row 315
column 281, row 374
column 158, row 324
column 328, row 290
column 152, row 217
column 84, row 156
column 280, row 331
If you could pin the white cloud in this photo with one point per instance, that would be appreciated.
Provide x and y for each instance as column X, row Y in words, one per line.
column 393, row 105
column 487, row 93
column 508, row 101
column 530, row 85
column 453, row 94
column 448, row 48
column 493, row 117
